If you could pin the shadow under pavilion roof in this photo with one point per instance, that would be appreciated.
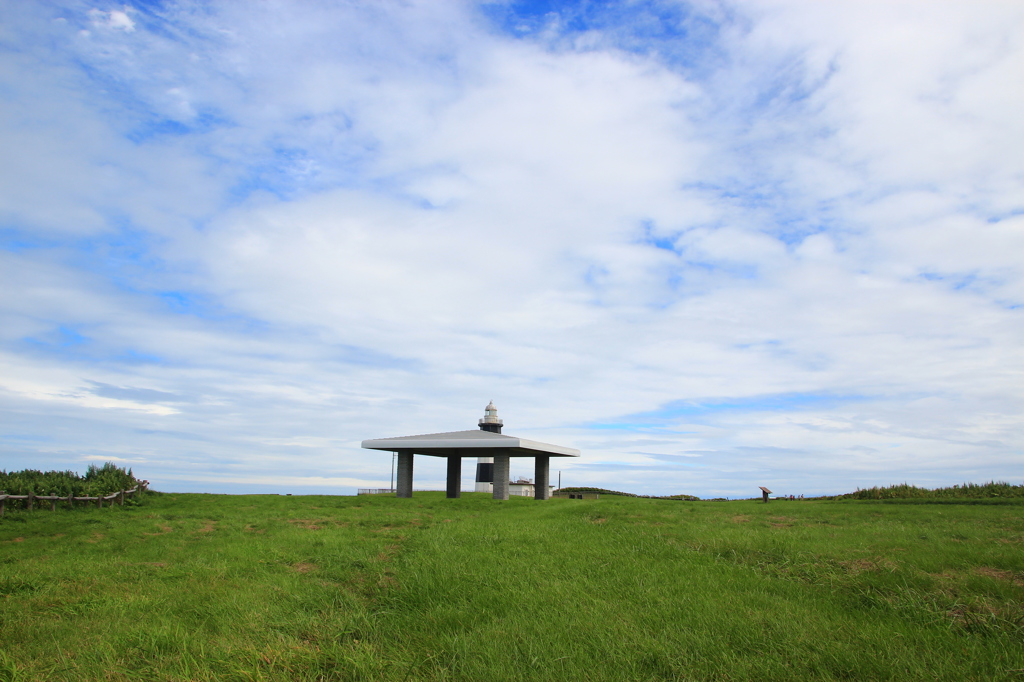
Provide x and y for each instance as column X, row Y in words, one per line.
column 474, row 443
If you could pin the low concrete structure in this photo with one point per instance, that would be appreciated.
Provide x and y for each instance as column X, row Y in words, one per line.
column 579, row 496
column 485, row 443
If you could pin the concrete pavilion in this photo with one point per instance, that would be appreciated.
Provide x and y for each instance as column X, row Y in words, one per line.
column 492, row 449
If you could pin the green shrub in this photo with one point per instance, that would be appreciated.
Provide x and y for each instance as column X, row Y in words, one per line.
column 904, row 491
column 604, row 491
column 97, row 481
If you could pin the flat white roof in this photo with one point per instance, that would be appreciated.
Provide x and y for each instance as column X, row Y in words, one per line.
column 476, row 443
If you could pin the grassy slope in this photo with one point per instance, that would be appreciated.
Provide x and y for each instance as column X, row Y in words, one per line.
column 200, row 587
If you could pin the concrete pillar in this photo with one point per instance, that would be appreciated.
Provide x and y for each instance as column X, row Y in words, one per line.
column 454, row 476
column 404, row 483
column 541, row 476
column 500, row 477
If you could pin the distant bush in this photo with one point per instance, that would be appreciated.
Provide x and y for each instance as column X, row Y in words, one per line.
column 97, row 481
column 603, row 491
column 904, row 491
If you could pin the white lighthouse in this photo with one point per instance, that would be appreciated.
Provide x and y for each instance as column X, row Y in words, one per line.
column 485, row 465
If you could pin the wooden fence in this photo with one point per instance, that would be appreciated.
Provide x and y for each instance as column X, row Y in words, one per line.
column 114, row 498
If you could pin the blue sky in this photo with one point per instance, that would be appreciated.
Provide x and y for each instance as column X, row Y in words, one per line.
column 713, row 245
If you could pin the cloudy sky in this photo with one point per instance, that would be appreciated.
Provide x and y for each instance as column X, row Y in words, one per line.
column 712, row 245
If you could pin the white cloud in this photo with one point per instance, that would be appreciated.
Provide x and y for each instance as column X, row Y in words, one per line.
column 322, row 224
column 112, row 19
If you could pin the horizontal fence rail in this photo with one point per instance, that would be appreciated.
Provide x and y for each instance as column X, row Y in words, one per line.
column 113, row 498
column 374, row 491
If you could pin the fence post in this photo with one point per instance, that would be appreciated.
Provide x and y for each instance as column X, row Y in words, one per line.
column 30, row 499
column 121, row 498
column 71, row 501
column 53, row 504
column 99, row 501
column 3, row 500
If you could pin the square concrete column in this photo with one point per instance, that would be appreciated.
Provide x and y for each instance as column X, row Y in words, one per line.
column 454, row 476
column 404, row 482
column 541, row 476
column 500, row 477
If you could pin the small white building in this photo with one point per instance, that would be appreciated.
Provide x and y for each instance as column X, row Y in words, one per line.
column 525, row 487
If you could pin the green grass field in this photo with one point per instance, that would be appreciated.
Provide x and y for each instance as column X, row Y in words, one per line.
column 205, row 587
